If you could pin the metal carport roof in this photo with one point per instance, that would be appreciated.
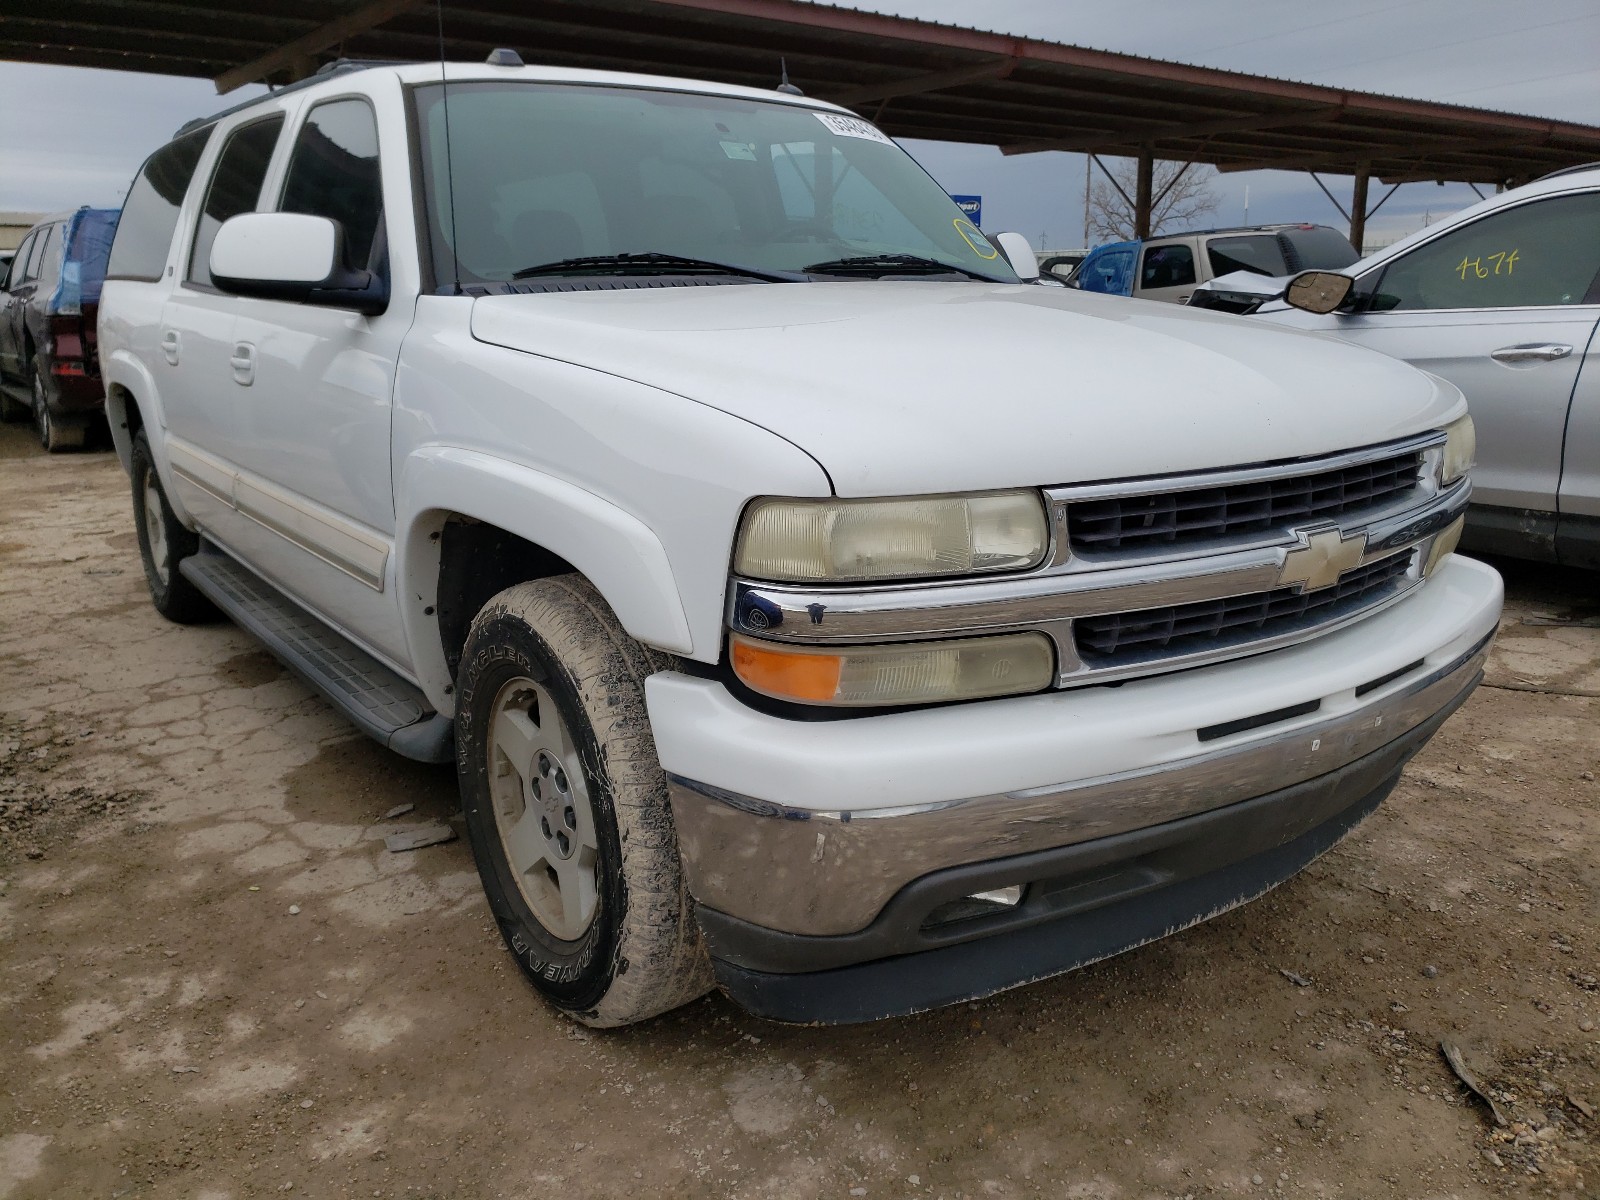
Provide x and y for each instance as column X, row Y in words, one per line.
column 917, row 79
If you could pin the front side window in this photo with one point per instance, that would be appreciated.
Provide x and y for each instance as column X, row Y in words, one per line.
column 546, row 172
column 150, row 213
column 1167, row 266
column 333, row 172
column 1543, row 253
column 1258, row 253
column 235, row 188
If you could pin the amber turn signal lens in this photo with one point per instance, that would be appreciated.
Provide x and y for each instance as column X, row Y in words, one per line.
column 932, row 672
column 794, row 675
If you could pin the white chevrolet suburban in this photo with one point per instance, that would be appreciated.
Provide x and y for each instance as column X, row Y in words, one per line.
column 674, row 458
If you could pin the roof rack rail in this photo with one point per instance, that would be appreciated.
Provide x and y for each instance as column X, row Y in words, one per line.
column 340, row 66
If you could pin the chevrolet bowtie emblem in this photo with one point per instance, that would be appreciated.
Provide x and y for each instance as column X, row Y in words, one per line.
column 1321, row 558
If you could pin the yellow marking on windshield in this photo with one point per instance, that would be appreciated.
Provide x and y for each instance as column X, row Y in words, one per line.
column 980, row 244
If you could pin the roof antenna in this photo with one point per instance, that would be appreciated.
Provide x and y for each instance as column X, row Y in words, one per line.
column 787, row 88
column 449, row 165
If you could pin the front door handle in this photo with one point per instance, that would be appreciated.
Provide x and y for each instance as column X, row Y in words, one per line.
column 243, row 362
column 169, row 346
column 1531, row 352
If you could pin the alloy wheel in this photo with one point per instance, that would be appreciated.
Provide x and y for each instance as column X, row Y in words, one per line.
column 541, row 809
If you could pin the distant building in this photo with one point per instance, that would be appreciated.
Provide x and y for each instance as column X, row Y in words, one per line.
column 14, row 226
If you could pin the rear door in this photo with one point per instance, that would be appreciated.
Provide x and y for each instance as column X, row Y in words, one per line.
column 204, row 419
column 20, row 299
column 1505, row 308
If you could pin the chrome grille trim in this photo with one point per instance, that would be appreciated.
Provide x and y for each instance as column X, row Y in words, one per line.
column 1129, row 636
column 1066, row 556
column 1050, row 598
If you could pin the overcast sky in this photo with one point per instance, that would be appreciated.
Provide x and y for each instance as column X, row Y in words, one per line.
column 1540, row 57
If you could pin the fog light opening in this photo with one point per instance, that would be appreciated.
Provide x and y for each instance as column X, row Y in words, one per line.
column 1008, row 896
column 979, row 904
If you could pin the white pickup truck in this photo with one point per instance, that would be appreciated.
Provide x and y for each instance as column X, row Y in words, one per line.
column 675, row 458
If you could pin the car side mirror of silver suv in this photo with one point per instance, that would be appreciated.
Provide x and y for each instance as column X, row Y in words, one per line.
column 294, row 257
column 1318, row 291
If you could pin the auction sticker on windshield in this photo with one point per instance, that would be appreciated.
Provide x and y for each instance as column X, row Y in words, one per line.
column 853, row 127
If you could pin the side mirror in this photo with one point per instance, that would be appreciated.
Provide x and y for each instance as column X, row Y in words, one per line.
column 294, row 257
column 1318, row 291
column 1019, row 253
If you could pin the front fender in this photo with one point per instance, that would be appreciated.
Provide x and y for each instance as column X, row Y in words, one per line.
column 616, row 551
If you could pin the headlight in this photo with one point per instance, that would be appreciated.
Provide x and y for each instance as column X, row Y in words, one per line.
column 1460, row 450
column 812, row 541
column 905, row 673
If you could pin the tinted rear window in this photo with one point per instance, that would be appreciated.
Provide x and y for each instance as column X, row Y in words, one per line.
column 1256, row 252
column 1318, row 248
column 150, row 214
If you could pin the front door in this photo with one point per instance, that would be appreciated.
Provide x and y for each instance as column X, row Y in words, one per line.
column 1166, row 272
column 316, row 385
column 1504, row 308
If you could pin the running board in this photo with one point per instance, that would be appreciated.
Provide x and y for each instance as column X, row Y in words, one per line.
column 378, row 701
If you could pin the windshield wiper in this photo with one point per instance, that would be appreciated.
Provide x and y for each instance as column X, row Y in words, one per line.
column 651, row 260
column 890, row 264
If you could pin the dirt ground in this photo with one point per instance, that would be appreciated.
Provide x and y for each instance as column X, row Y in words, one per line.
column 216, row 982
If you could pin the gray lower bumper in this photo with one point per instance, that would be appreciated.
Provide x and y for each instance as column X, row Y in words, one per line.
column 831, row 874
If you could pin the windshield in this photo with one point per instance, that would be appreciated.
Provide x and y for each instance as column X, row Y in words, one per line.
column 546, row 172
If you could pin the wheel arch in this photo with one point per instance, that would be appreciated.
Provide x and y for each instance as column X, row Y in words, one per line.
column 471, row 524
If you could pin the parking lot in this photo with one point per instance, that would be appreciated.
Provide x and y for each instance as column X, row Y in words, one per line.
column 219, row 983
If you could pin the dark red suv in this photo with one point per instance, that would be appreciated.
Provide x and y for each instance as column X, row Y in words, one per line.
column 48, row 366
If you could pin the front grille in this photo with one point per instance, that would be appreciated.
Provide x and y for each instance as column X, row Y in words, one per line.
column 1211, row 624
column 1205, row 514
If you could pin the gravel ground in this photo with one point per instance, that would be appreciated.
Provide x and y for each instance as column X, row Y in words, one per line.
column 217, row 983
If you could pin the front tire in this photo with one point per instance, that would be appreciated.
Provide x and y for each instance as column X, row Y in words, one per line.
column 164, row 543
column 566, row 806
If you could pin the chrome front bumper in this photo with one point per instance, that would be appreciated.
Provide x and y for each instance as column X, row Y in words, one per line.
column 830, row 873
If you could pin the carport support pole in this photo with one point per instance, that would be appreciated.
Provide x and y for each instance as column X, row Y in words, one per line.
column 1146, row 182
column 1358, row 208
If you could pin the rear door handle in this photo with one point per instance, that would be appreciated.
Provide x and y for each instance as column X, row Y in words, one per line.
column 169, row 346
column 243, row 362
column 1531, row 352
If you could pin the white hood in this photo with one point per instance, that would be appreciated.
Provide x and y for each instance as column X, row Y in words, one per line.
column 908, row 387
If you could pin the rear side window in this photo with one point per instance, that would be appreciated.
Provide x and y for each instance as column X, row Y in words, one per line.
column 1167, row 266
column 333, row 172
column 36, row 255
column 150, row 214
column 235, row 188
column 49, row 266
column 1258, row 253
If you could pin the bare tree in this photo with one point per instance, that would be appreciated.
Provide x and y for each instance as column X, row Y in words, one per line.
column 1181, row 194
